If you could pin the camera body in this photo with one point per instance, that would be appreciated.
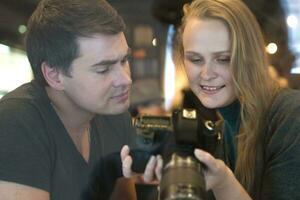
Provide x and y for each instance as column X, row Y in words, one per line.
column 182, row 176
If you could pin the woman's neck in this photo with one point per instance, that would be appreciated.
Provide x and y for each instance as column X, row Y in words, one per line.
column 231, row 115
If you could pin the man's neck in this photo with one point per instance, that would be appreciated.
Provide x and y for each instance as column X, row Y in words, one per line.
column 74, row 118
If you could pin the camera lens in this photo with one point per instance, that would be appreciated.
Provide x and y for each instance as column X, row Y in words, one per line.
column 182, row 179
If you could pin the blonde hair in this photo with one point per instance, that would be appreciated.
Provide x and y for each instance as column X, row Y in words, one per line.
column 250, row 76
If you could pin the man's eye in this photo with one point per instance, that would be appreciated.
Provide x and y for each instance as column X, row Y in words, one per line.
column 102, row 71
column 125, row 60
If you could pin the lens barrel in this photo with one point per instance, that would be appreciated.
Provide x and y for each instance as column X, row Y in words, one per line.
column 182, row 179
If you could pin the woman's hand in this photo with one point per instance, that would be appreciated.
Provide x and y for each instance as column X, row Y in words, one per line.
column 216, row 172
column 220, row 179
column 152, row 173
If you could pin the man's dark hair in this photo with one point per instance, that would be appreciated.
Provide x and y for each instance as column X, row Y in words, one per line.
column 55, row 25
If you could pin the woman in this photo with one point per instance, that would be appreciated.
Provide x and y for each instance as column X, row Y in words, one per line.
column 222, row 49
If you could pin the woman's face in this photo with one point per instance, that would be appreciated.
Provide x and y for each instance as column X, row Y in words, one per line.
column 206, row 45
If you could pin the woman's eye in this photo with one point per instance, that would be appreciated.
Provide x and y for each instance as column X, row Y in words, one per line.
column 195, row 60
column 223, row 60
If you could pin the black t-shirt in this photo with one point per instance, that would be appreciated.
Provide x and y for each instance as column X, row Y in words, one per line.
column 36, row 149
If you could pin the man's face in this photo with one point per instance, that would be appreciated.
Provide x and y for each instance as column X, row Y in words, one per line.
column 100, row 76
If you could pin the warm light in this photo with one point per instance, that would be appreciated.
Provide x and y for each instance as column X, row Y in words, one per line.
column 139, row 53
column 271, row 48
column 292, row 21
column 295, row 70
column 154, row 42
column 14, row 70
column 22, row 29
column 4, row 49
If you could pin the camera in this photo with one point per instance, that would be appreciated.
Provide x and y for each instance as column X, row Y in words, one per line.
column 182, row 175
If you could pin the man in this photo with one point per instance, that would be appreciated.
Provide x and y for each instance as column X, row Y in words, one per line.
column 54, row 130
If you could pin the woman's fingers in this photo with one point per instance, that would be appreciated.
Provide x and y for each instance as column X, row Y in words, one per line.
column 206, row 158
column 216, row 171
column 213, row 164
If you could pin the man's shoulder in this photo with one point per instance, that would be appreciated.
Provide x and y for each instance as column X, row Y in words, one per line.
column 27, row 92
column 22, row 105
column 19, row 113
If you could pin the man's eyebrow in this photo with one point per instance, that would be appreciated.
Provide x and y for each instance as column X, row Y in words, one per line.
column 112, row 61
column 105, row 62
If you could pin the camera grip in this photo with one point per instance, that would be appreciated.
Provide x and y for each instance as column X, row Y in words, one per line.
column 140, row 159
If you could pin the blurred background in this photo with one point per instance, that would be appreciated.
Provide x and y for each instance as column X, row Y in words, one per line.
column 157, row 84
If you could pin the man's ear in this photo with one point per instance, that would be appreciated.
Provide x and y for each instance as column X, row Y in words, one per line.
column 53, row 76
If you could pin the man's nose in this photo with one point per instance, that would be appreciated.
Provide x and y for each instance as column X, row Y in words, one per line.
column 123, row 76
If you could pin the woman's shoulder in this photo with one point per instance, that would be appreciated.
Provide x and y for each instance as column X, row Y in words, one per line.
column 282, row 146
column 286, row 100
column 283, row 118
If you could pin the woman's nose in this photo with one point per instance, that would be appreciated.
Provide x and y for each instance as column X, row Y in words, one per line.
column 207, row 72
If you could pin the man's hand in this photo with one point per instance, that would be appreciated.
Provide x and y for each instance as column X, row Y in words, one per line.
column 152, row 173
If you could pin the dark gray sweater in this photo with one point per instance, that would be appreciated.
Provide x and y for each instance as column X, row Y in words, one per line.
column 278, row 170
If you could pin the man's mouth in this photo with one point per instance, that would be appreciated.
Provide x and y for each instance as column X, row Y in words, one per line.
column 122, row 96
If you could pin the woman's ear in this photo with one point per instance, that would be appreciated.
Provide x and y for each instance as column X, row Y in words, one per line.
column 52, row 76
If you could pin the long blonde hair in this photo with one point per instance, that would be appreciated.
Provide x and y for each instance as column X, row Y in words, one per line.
column 248, row 65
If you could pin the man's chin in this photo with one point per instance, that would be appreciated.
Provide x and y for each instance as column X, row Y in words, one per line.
column 117, row 109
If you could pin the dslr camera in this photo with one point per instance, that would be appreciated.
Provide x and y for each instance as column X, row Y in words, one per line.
column 182, row 175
